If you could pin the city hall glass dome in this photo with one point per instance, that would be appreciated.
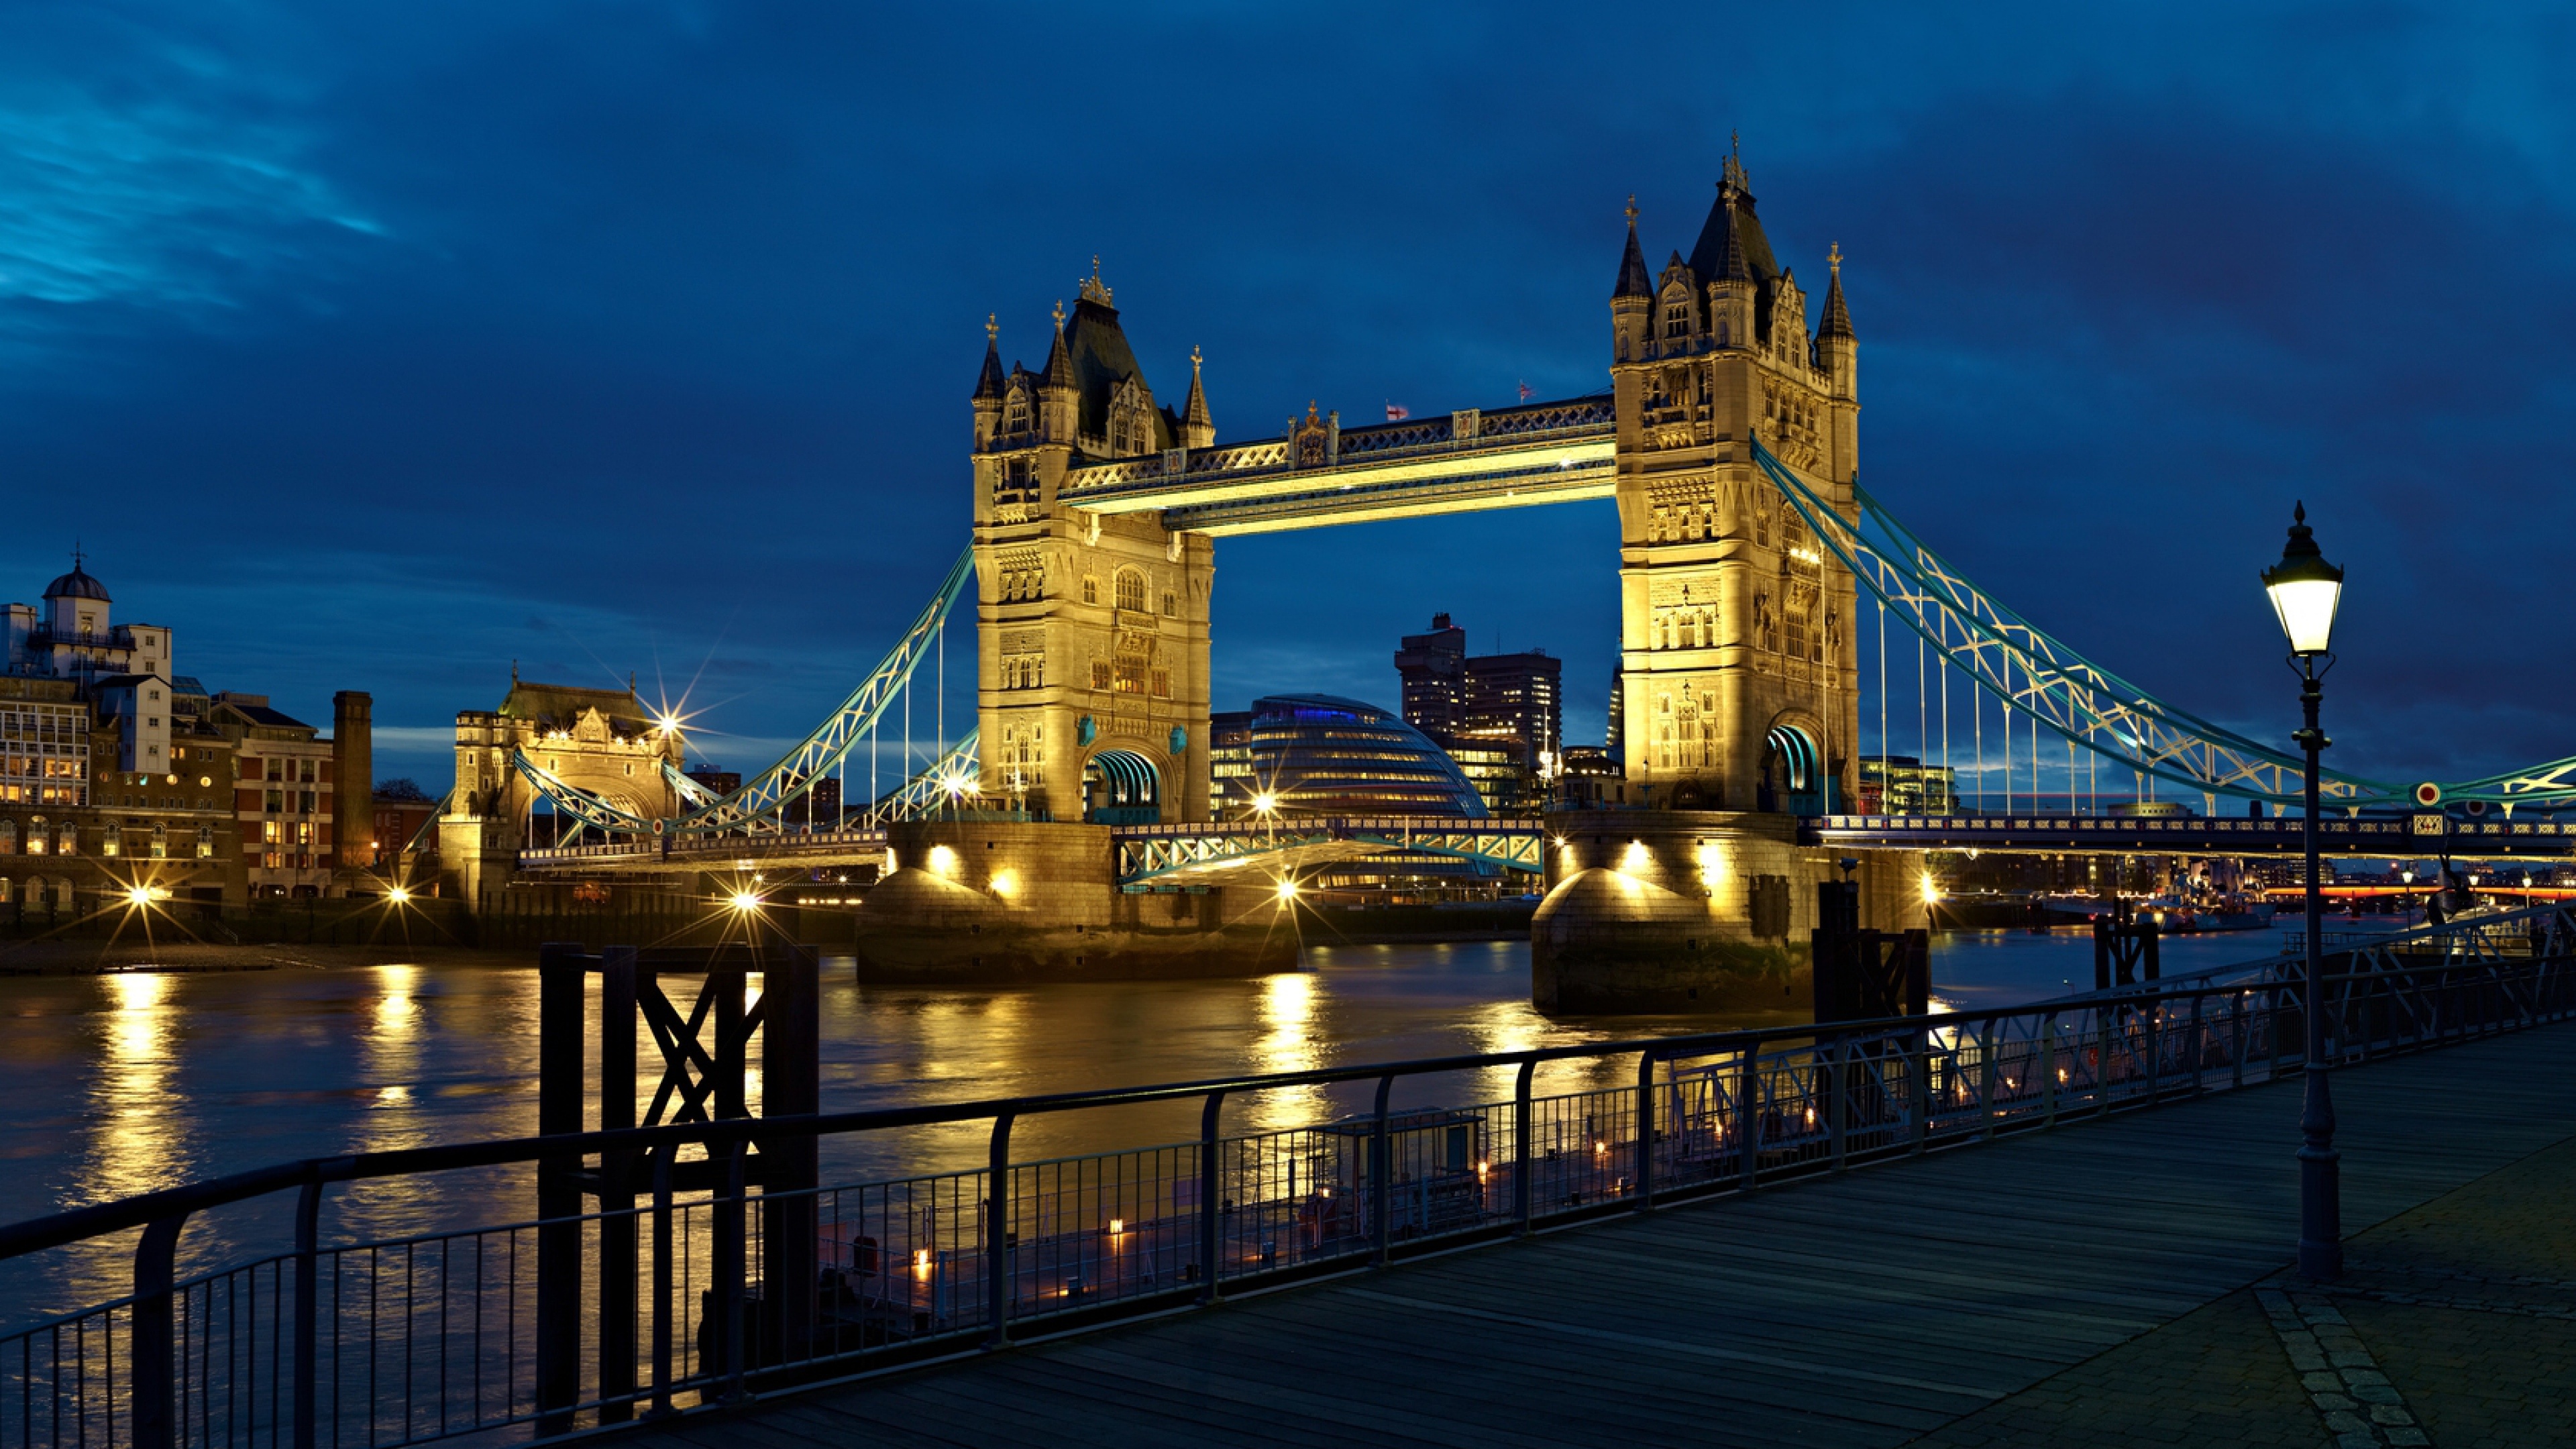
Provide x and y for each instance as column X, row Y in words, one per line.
column 1320, row 754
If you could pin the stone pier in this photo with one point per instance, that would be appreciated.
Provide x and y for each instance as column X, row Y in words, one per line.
column 1011, row 901
column 1694, row 910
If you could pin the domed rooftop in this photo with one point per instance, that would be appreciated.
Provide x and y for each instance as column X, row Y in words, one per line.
column 77, row 585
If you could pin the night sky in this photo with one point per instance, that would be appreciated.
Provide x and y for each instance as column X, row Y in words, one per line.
column 376, row 347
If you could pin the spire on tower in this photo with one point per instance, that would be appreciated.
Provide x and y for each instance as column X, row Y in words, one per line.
column 1633, row 281
column 1059, row 363
column 1837, row 321
column 1094, row 289
column 988, row 383
column 1198, row 427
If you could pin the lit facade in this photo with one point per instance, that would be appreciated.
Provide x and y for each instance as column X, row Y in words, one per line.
column 1737, row 686
column 1904, row 785
column 1092, row 629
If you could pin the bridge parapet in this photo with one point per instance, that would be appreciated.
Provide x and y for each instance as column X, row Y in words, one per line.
column 2416, row 835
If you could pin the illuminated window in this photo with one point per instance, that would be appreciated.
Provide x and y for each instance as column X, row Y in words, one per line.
column 1131, row 590
column 1100, row 674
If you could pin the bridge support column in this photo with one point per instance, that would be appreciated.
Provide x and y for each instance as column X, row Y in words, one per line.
column 1694, row 911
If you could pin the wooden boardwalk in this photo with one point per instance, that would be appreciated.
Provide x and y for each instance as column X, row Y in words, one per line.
column 1865, row 1309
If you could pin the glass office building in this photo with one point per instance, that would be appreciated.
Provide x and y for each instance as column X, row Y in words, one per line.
column 1320, row 754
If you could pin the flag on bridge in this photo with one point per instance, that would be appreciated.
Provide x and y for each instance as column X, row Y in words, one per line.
column 1526, row 394
column 1397, row 412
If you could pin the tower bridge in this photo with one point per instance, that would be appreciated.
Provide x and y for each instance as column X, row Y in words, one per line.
column 1727, row 440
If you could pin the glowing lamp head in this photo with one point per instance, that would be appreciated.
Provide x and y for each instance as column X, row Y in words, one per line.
column 1265, row 803
column 1287, row 890
column 398, row 895
column 744, row 901
column 668, row 724
column 138, row 895
column 1931, row 889
column 2305, row 591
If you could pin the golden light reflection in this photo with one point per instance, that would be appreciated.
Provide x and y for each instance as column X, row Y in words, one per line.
column 135, row 1145
column 1287, row 1044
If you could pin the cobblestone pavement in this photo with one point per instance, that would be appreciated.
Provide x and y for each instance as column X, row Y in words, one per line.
column 2454, row 1325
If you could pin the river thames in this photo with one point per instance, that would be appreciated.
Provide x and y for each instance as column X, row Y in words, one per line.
column 125, row 1083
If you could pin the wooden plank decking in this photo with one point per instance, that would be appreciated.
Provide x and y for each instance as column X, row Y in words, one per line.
column 1864, row 1309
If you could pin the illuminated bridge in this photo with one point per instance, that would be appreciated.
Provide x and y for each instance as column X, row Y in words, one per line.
column 1775, row 616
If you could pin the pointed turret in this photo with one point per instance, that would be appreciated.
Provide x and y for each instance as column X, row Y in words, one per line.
column 1059, row 363
column 1633, row 280
column 988, row 383
column 1198, row 428
column 1059, row 391
column 1632, row 300
column 1837, row 321
column 1837, row 350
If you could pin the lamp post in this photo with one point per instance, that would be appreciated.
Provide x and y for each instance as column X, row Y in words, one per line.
column 2305, row 590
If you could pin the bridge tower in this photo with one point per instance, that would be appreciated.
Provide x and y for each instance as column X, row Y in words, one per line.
column 604, row 741
column 1739, row 682
column 1091, row 629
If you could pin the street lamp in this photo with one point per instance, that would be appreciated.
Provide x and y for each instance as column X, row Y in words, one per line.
column 2305, row 590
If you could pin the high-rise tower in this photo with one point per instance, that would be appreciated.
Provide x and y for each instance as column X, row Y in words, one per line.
column 1092, row 628
column 1739, row 682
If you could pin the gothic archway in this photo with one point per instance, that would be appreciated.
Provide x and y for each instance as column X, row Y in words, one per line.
column 1793, row 779
column 1121, row 787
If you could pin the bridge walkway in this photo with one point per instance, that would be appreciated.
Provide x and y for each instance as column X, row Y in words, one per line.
column 2083, row 1285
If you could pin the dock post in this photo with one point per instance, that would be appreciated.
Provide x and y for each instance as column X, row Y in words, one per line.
column 561, row 986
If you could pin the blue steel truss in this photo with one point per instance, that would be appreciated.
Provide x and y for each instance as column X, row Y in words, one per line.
column 2034, row 673
column 946, row 782
column 1146, row 852
column 757, row 806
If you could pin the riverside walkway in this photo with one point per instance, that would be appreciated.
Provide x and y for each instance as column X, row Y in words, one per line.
column 2109, row 1283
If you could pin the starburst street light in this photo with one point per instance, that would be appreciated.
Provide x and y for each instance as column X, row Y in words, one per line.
column 744, row 901
column 399, row 895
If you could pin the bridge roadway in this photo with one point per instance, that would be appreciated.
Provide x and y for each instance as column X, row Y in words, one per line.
column 1206, row 853
column 2083, row 1285
column 1148, row 855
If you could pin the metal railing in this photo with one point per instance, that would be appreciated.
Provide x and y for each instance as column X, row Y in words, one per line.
column 412, row 1339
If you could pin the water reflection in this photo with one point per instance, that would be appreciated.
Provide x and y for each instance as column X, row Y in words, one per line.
column 136, row 1140
column 1287, row 1044
column 128, row 1083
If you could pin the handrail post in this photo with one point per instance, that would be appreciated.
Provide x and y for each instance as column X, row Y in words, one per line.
column 562, row 984
column 1918, row 1063
column 1381, row 1175
column 733, row 1261
column 2048, row 1068
column 2198, row 1055
column 2236, row 1034
column 1748, row 1110
column 1209, row 1182
column 661, row 1159
column 1646, row 1130
column 1986, row 1034
column 1837, row 1097
column 997, row 1236
column 155, row 1406
column 1521, row 1159
column 308, row 1265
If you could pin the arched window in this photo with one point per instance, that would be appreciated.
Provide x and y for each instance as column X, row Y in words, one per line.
column 68, row 841
column 1015, row 413
column 1090, row 589
column 205, row 842
column 160, row 842
column 1131, row 590
column 5, row 890
column 38, row 837
column 8, row 837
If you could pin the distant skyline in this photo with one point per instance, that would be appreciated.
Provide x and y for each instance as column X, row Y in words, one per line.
column 375, row 348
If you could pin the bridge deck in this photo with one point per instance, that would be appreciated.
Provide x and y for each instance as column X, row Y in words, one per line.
column 1868, row 1309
